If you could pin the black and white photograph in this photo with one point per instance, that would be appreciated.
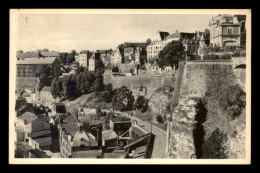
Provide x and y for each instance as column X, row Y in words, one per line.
column 130, row 86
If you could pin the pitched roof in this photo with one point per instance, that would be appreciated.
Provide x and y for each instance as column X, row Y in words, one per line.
column 85, row 154
column 46, row 88
column 40, row 134
column 36, row 60
column 81, row 138
column 137, row 141
column 20, row 103
column 38, row 153
column 180, row 35
column 28, row 54
column 43, row 141
column 163, row 34
column 174, row 35
column 109, row 134
column 139, row 130
column 120, row 119
column 28, row 117
column 70, row 125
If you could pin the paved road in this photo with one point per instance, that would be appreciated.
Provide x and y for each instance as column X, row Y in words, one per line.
column 160, row 137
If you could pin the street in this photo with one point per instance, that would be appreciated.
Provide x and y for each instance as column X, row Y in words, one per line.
column 160, row 137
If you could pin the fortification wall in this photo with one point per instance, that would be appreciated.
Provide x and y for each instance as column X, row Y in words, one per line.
column 191, row 83
column 148, row 83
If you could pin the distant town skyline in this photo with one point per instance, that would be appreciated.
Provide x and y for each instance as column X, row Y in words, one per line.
column 66, row 32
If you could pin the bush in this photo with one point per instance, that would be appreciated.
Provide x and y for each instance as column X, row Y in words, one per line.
column 141, row 103
column 226, row 56
column 159, row 118
column 123, row 99
column 211, row 57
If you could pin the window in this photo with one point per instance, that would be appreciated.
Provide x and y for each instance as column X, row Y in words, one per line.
column 243, row 27
column 229, row 31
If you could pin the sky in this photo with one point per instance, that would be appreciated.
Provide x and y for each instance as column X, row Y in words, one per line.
column 66, row 32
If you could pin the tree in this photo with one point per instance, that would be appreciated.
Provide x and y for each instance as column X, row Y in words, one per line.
column 107, row 95
column 99, row 113
column 57, row 88
column 70, row 58
column 69, row 86
column 99, row 65
column 43, row 71
column 123, row 99
column 148, row 41
column 141, row 103
column 98, row 84
column 80, row 69
column 63, row 57
column 45, row 50
column 214, row 146
column 171, row 54
column 73, row 52
column 85, row 81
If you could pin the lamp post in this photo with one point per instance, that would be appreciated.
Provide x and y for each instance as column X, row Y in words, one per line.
column 151, row 123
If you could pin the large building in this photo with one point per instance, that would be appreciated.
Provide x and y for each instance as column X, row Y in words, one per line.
column 38, row 53
column 116, row 57
column 93, row 61
column 26, row 70
column 225, row 30
column 156, row 45
column 83, row 58
column 189, row 40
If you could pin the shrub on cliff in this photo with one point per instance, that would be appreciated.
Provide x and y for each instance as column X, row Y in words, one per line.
column 159, row 118
column 214, row 148
column 233, row 100
column 123, row 99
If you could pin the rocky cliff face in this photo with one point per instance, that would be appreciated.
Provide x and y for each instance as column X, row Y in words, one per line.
column 181, row 143
column 159, row 101
column 193, row 85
